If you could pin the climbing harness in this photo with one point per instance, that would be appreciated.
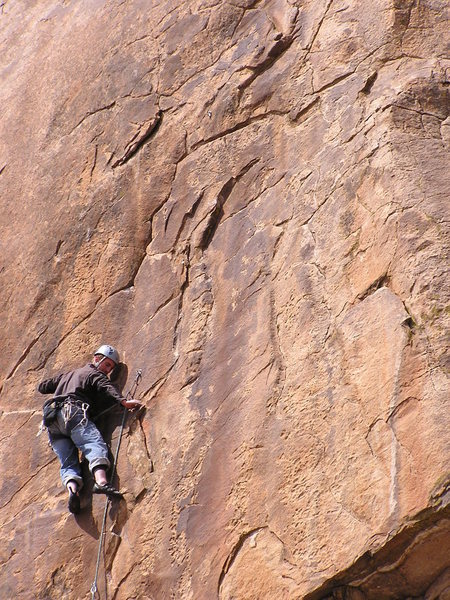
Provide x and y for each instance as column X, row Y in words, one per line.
column 69, row 408
column 94, row 590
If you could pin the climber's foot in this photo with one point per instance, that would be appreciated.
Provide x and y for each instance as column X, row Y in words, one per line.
column 106, row 489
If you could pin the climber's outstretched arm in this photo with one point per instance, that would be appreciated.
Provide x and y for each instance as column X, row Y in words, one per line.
column 131, row 403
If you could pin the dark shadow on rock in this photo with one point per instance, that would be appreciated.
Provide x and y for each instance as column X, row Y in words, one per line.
column 118, row 514
column 119, row 376
column 85, row 520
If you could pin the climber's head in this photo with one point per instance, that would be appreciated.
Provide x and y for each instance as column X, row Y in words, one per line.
column 106, row 358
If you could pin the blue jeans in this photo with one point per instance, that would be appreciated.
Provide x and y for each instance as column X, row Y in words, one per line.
column 77, row 433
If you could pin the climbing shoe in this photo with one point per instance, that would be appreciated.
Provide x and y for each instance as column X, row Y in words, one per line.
column 107, row 489
column 74, row 502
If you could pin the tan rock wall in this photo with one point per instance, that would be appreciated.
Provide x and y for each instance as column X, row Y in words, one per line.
column 249, row 200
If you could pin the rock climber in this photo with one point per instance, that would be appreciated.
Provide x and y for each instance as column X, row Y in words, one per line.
column 79, row 396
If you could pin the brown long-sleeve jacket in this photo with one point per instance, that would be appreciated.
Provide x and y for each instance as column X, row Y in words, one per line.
column 87, row 384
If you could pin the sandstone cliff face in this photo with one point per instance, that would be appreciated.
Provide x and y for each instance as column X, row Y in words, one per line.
column 248, row 199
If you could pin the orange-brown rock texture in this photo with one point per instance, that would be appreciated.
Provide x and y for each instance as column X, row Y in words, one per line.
column 249, row 200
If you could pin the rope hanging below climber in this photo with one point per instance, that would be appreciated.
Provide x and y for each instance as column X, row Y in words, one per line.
column 94, row 590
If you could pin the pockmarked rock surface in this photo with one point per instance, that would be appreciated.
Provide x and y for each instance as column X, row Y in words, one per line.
column 248, row 199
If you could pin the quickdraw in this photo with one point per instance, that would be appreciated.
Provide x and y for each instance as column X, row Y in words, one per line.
column 71, row 408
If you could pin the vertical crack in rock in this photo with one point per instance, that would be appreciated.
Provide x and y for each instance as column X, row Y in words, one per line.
column 234, row 553
column 94, row 163
column 379, row 283
column 136, row 434
column 146, row 448
column 123, row 580
column 281, row 45
column 393, row 407
column 184, row 286
column 136, row 144
column 369, row 431
column 188, row 216
column 201, row 307
column 217, row 213
column 278, row 360
column 319, row 26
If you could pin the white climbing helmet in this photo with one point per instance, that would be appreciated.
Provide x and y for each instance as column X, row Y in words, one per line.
column 108, row 352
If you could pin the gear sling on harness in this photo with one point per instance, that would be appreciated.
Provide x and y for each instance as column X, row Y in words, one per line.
column 69, row 407
column 50, row 410
column 94, row 590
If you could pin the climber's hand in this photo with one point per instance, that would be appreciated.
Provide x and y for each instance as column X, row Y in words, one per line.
column 131, row 404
